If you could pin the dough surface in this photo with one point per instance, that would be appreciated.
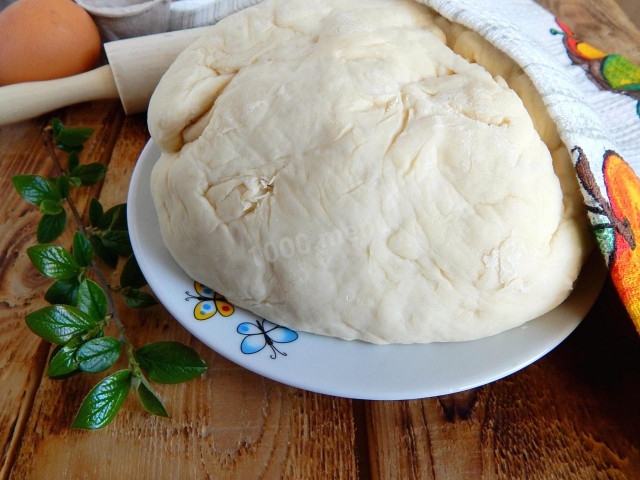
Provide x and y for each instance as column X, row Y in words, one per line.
column 335, row 167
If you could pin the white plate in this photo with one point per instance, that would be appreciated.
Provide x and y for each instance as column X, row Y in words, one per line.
column 338, row 367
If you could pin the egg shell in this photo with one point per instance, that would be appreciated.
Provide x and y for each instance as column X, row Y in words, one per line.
column 46, row 39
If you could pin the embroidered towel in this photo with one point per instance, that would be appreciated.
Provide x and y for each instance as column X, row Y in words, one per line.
column 594, row 100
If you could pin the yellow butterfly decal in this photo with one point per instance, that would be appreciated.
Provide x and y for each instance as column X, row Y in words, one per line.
column 209, row 303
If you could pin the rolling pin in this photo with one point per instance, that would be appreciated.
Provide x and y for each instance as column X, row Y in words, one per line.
column 135, row 68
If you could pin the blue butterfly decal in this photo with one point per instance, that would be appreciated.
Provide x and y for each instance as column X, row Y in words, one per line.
column 262, row 333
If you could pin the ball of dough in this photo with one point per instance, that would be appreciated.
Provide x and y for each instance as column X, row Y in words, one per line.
column 336, row 168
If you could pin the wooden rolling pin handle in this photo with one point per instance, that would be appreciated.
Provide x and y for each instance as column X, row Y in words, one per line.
column 30, row 99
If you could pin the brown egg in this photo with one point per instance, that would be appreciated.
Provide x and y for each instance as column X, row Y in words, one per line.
column 45, row 39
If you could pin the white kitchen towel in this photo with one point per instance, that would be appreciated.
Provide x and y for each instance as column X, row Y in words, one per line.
column 593, row 98
column 200, row 13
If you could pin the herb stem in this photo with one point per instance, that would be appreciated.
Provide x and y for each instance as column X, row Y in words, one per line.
column 48, row 142
column 133, row 363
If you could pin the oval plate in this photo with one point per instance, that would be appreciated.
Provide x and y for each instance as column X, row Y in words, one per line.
column 330, row 365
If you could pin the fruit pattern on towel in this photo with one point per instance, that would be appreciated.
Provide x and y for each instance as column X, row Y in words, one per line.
column 617, row 224
column 614, row 73
column 257, row 334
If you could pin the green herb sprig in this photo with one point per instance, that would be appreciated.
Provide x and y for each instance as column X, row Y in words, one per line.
column 80, row 308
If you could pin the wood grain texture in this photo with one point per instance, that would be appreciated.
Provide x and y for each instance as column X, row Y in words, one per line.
column 632, row 9
column 601, row 23
column 571, row 415
column 230, row 423
column 23, row 355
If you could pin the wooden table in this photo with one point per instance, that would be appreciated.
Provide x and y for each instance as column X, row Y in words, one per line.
column 573, row 414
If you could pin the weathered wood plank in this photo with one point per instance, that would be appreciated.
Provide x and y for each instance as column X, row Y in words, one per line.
column 21, row 287
column 601, row 23
column 230, row 423
column 571, row 415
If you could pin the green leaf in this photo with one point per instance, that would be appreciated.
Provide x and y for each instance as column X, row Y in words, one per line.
column 63, row 361
column 51, row 227
column 72, row 162
column 57, row 126
column 63, row 376
column 115, row 218
column 170, row 362
column 50, row 207
column 53, row 261
column 138, row 298
column 73, row 137
column 109, row 257
column 103, row 401
column 63, row 292
column 75, row 181
column 118, row 241
column 67, row 149
column 131, row 275
column 34, row 188
column 150, row 401
column 59, row 323
column 62, row 184
column 95, row 212
column 92, row 300
column 89, row 174
column 82, row 249
column 98, row 354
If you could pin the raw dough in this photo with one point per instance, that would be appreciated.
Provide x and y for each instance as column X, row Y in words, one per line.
column 336, row 168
